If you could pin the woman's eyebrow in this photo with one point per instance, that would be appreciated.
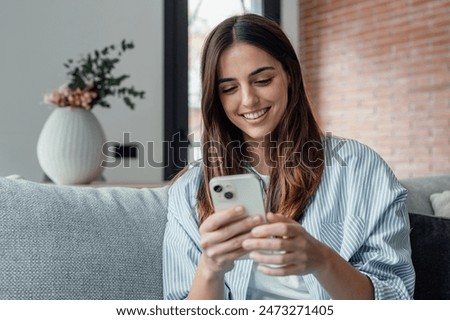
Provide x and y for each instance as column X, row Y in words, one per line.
column 261, row 70
column 255, row 72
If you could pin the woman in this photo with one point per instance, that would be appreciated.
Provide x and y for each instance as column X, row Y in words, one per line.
column 339, row 219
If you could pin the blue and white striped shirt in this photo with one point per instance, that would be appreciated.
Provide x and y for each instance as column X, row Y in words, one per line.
column 358, row 210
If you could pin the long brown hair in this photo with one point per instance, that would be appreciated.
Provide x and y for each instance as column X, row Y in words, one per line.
column 296, row 167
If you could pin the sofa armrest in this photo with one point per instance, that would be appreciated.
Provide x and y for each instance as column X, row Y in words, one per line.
column 420, row 189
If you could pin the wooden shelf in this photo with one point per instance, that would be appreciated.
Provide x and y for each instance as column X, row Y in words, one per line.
column 103, row 184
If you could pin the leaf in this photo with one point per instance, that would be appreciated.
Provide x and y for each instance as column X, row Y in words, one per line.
column 112, row 82
column 87, row 68
column 128, row 102
column 122, row 78
column 78, row 82
column 103, row 103
column 114, row 62
column 97, row 68
column 133, row 92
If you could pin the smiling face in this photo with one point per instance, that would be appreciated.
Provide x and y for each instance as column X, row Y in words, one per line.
column 253, row 89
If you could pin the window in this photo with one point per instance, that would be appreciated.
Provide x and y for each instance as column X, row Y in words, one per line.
column 203, row 16
column 187, row 22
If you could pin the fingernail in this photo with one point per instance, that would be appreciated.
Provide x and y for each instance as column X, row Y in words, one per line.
column 239, row 209
column 256, row 218
column 256, row 233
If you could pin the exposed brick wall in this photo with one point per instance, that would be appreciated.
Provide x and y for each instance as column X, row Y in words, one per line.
column 379, row 71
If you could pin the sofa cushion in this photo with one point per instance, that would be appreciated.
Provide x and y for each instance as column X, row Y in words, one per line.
column 430, row 243
column 420, row 189
column 441, row 204
column 65, row 242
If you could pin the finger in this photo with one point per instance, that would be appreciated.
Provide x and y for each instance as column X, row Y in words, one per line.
column 281, row 271
column 223, row 262
column 279, row 258
column 278, row 229
column 276, row 244
column 222, row 218
column 230, row 231
column 227, row 257
column 228, row 246
column 276, row 217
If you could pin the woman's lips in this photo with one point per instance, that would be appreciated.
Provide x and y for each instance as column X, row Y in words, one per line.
column 256, row 114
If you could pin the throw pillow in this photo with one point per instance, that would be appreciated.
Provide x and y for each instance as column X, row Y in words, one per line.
column 430, row 244
column 441, row 204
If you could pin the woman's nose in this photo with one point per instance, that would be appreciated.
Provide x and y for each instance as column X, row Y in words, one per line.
column 249, row 97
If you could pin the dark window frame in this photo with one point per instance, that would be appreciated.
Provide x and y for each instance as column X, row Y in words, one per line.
column 176, row 109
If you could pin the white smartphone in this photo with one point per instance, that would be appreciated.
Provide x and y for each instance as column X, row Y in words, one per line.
column 237, row 190
column 240, row 190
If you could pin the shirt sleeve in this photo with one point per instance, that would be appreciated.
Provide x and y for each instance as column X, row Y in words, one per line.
column 385, row 254
column 181, row 246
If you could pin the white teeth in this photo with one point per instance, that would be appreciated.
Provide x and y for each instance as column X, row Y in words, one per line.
column 255, row 115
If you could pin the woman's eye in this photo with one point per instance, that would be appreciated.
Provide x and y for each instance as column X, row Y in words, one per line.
column 228, row 89
column 264, row 81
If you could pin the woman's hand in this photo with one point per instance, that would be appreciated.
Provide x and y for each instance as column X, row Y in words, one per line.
column 303, row 254
column 221, row 237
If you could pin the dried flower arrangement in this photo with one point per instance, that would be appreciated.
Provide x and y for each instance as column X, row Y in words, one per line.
column 91, row 81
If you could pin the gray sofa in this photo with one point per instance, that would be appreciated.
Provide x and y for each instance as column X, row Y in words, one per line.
column 61, row 242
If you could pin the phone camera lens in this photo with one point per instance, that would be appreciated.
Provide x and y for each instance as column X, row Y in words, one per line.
column 228, row 195
column 217, row 188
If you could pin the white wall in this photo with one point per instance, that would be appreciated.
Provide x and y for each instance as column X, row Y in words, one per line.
column 38, row 36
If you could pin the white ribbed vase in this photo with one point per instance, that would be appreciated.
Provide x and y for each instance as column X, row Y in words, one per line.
column 69, row 148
